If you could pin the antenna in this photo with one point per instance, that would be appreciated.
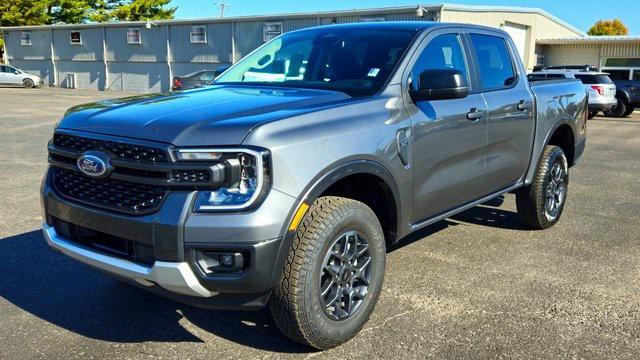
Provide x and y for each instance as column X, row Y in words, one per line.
column 222, row 6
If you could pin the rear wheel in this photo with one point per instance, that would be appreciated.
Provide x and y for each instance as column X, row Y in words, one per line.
column 333, row 275
column 28, row 83
column 540, row 205
column 592, row 114
column 618, row 111
column 630, row 110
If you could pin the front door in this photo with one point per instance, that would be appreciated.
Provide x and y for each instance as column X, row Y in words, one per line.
column 448, row 136
column 4, row 74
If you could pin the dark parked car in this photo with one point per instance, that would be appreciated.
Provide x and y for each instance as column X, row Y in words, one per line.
column 196, row 79
column 628, row 95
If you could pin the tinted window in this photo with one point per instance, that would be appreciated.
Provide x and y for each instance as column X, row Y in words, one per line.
column 494, row 62
column 594, row 79
column 4, row 69
column 618, row 74
column 443, row 52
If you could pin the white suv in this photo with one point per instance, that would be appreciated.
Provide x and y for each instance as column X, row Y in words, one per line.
column 601, row 89
column 12, row 76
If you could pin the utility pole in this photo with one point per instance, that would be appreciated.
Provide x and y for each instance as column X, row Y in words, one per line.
column 222, row 6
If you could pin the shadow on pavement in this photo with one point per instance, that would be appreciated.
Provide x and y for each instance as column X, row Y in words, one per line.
column 80, row 299
column 489, row 214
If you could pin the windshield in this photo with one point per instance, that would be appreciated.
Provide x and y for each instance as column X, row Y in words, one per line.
column 356, row 62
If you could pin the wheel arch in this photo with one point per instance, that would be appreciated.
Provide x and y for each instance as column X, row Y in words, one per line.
column 563, row 136
column 328, row 182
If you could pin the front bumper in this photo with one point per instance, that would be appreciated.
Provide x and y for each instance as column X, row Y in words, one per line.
column 176, row 277
column 602, row 104
column 176, row 234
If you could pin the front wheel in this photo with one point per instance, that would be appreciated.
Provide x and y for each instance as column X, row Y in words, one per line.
column 333, row 274
column 28, row 83
column 540, row 205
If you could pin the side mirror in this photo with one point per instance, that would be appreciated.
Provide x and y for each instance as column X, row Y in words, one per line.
column 17, row 72
column 441, row 84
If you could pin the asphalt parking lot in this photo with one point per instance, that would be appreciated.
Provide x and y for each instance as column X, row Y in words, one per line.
column 475, row 286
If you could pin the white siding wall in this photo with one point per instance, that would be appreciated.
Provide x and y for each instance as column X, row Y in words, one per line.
column 572, row 55
column 537, row 26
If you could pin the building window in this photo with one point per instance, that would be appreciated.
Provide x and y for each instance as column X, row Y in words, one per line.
column 75, row 38
column 25, row 38
column 199, row 34
column 623, row 62
column 271, row 31
column 133, row 36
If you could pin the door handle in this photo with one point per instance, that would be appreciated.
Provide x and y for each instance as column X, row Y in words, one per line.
column 523, row 106
column 474, row 114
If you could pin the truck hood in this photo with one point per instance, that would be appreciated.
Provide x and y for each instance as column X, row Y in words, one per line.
column 215, row 115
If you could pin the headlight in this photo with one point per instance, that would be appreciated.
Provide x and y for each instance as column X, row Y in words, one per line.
column 246, row 177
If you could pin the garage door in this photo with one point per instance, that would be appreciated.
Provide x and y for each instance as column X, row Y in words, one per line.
column 519, row 35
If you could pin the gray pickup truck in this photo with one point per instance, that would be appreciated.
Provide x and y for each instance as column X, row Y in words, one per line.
column 284, row 181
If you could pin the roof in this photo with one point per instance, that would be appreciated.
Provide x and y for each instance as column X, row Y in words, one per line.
column 270, row 17
column 511, row 9
column 354, row 12
column 589, row 40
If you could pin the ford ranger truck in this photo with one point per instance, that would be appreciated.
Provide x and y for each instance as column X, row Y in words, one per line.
column 283, row 182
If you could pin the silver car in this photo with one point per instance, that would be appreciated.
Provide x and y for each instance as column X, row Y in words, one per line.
column 12, row 76
column 601, row 89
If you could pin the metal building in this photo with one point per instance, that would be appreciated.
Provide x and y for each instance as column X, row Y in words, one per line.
column 617, row 55
column 144, row 56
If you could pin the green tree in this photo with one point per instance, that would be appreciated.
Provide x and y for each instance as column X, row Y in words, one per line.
column 69, row 11
column 608, row 27
column 24, row 12
column 137, row 10
column 103, row 10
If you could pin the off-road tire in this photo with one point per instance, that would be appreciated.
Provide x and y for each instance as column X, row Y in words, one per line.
column 618, row 111
column 28, row 83
column 630, row 110
column 295, row 303
column 531, row 201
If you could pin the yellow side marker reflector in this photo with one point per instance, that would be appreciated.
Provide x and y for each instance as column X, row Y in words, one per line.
column 298, row 217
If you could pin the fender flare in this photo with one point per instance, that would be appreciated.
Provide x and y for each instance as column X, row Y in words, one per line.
column 321, row 183
column 535, row 158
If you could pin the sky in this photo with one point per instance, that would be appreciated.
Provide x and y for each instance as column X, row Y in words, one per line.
column 581, row 14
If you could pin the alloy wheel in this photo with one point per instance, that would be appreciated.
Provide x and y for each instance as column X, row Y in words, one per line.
column 555, row 191
column 345, row 276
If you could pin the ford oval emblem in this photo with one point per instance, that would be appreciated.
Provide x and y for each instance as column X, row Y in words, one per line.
column 94, row 164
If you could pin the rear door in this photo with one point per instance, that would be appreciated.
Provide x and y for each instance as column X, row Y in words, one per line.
column 511, row 123
column 448, row 136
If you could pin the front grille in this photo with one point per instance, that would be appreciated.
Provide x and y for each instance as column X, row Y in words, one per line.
column 108, row 193
column 141, row 174
column 123, row 151
column 190, row 176
column 105, row 243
